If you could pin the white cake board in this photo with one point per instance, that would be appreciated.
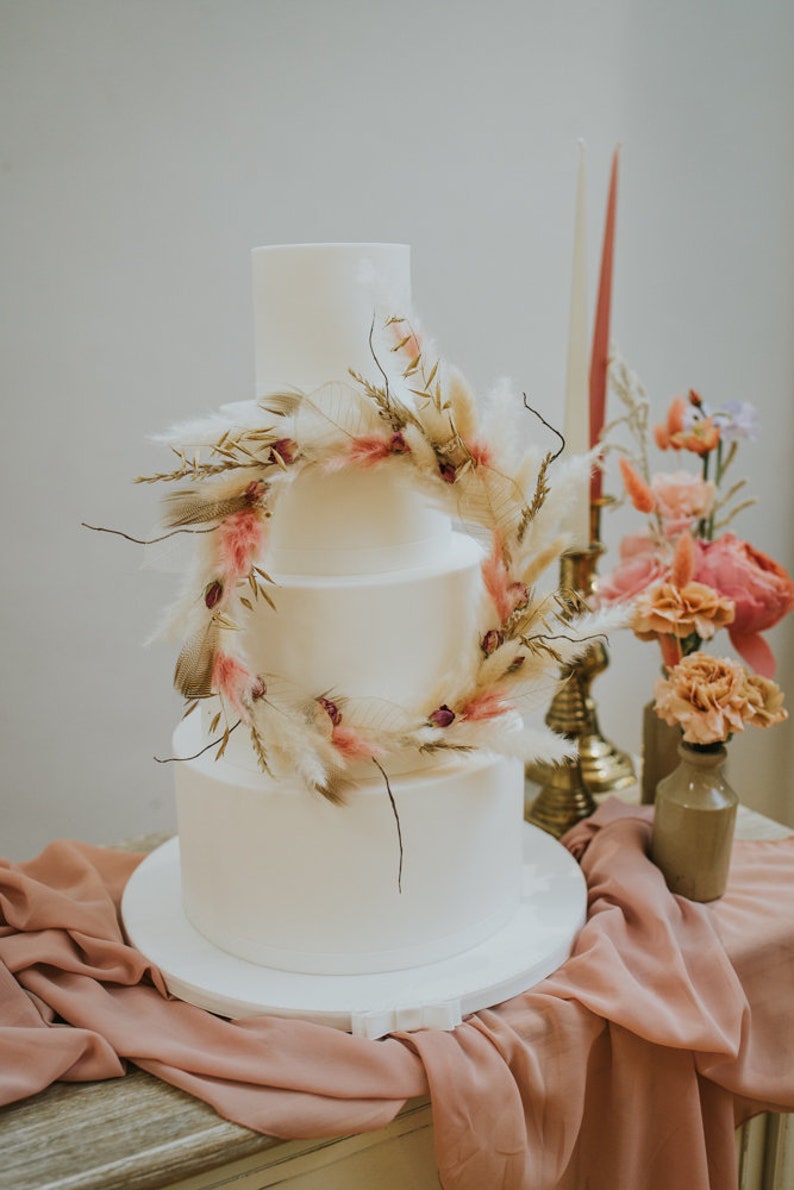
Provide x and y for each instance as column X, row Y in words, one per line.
column 534, row 943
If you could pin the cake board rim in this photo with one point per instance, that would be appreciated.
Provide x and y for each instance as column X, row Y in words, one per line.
column 537, row 939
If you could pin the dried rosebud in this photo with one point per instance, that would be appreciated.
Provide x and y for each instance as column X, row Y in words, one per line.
column 285, row 448
column 331, row 710
column 491, row 641
column 255, row 491
column 398, row 445
column 258, row 689
column 442, row 717
column 213, row 593
column 448, row 472
column 519, row 595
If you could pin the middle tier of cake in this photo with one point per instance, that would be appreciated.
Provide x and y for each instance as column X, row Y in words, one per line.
column 390, row 638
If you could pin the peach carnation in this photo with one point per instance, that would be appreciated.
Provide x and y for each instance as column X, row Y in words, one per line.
column 709, row 698
column 766, row 699
column 668, row 610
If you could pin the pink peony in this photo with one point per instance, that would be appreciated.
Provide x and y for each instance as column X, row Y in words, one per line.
column 760, row 588
column 682, row 500
column 642, row 565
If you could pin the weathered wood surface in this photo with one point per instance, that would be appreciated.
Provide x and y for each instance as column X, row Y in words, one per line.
column 132, row 1133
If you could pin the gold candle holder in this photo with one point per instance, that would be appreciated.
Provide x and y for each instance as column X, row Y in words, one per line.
column 567, row 789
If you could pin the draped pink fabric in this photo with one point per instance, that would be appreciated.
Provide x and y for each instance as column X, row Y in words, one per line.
column 629, row 1067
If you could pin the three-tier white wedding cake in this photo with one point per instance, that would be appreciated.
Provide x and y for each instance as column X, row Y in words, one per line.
column 347, row 799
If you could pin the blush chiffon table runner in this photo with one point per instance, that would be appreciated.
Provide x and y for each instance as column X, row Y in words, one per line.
column 629, row 1067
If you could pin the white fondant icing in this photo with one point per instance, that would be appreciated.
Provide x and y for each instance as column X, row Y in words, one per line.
column 357, row 522
column 314, row 306
column 285, row 879
column 390, row 636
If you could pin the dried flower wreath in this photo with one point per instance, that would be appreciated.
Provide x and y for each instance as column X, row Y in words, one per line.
column 424, row 419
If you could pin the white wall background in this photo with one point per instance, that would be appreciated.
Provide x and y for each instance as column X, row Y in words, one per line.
column 147, row 145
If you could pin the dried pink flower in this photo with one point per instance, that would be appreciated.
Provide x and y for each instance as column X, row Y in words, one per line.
column 441, row 717
column 213, row 593
column 491, row 641
column 351, row 744
column 286, row 449
column 255, row 491
column 331, row 710
column 235, row 682
column 241, row 538
column 489, row 704
column 480, row 452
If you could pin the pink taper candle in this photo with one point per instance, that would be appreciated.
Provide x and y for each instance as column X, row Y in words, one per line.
column 577, row 414
column 599, row 361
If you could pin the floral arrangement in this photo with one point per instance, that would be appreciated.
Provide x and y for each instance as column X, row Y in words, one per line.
column 686, row 575
column 422, row 419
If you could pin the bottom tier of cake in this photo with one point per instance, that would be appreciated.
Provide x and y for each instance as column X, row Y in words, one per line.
column 534, row 942
column 286, row 880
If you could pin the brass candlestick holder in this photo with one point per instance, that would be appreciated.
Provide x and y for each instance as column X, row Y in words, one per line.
column 567, row 789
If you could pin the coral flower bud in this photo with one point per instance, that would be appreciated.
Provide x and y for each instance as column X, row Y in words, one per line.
column 442, row 717
column 637, row 489
column 213, row 593
column 695, row 398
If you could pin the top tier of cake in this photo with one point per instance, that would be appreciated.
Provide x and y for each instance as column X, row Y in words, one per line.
column 314, row 307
